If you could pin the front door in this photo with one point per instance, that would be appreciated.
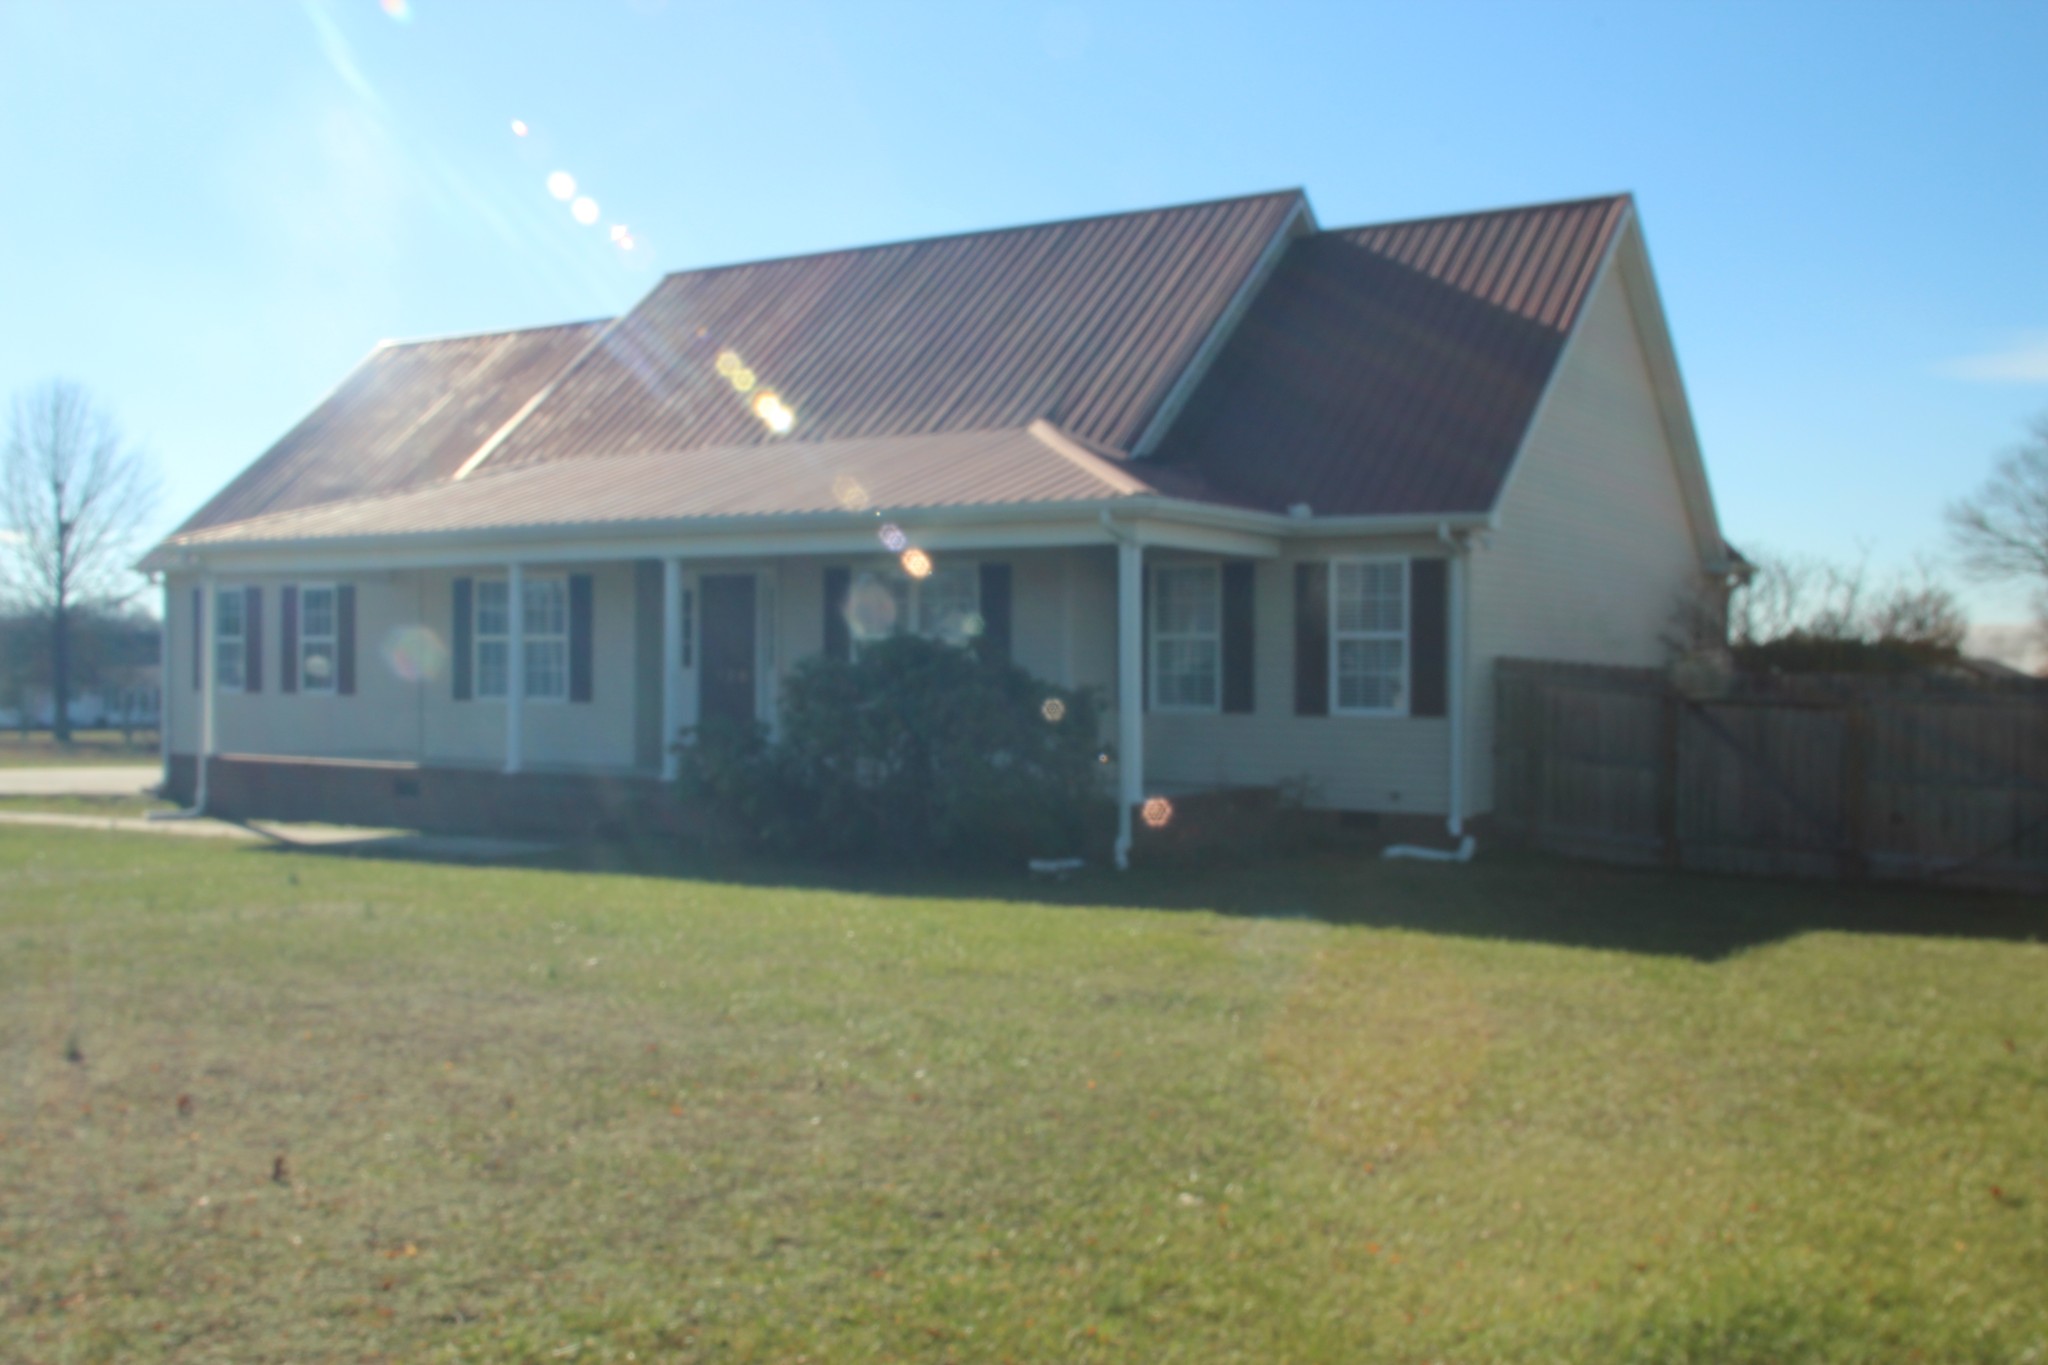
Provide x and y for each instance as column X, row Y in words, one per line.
column 725, row 648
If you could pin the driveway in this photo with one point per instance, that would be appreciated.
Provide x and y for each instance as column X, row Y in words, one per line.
column 78, row 781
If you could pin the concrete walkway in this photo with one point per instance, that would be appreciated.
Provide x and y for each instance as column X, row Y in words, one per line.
column 383, row 843
column 78, row 780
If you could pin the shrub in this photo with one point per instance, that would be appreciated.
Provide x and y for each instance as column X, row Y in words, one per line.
column 914, row 751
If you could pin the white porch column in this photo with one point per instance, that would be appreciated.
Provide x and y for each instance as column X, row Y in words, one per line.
column 164, row 674
column 515, row 666
column 1454, row 684
column 203, row 632
column 1130, row 695
column 671, row 664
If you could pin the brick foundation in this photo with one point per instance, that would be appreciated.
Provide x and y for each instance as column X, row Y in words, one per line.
column 445, row 800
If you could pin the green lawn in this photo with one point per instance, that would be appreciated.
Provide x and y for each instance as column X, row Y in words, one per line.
column 97, row 747
column 126, row 807
column 275, row 1106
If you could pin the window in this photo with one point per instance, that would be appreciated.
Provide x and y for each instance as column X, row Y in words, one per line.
column 545, row 621
column 1369, row 636
column 1187, row 637
column 318, row 663
column 230, row 638
column 944, row 605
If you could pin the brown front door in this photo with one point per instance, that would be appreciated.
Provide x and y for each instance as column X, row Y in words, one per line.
column 725, row 649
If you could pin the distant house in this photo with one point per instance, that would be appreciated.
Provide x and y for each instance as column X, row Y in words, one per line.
column 1283, row 493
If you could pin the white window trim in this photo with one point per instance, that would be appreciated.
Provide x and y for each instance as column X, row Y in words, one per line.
column 332, row 687
column 240, row 593
column 1405, row 635
column 1154, row 638
column 477, row 638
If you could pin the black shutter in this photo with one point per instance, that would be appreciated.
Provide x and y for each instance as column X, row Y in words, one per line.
column 1428, row 636
column 1312, row 639
column 995, row 613
column 1237, row 636
column 462, row 627
column 198, row 639
column 345, row 639
column 838, row 640
column 288, row 638
column 252, row 639
column 580, row 629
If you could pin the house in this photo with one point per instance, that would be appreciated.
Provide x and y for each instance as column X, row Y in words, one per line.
column 1282, row 493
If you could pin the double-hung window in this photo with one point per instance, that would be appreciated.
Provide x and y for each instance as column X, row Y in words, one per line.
column 318, row 660
column 545, row 621
column 1187, row 637
column 1369, row 637
column 944, row 605
column 230, row 638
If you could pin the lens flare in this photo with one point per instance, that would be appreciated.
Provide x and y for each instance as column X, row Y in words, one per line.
column 620, row 232
column 893, row 538
column 584, row 210
column 917, row 563
column 728, row 363
column 870, row 609
column 562, row 185
column 519, row 128
column 1157, row 812
column 775, row 414
column 414, row 653
column 1054, row 710
column 848, row 492
column 396, row 9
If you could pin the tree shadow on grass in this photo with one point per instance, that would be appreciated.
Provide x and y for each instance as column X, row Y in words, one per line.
column 1500, row 895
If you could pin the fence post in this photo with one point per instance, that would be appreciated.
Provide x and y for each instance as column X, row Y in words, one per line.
column 1855, row 775
column 1671, row 713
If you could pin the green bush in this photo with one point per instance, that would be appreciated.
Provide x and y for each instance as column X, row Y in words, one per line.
column 914, row 751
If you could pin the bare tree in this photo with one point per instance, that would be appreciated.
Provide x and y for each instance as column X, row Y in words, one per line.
column 2001, row 531
column 73, row 500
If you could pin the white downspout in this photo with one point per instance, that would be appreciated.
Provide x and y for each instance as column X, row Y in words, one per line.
column 1130, row 672
column 163, row 686
column 515, row 666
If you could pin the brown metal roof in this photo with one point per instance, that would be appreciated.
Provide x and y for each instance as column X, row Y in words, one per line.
column 1034, row 465
column 1394, row 369
column 409, row 415
column 1085, row 323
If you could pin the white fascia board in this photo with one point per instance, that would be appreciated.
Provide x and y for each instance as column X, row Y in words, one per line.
column 1165, row 522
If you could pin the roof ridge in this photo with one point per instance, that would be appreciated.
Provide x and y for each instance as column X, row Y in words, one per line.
column 1295, row 192
column 393, row 343
column 1079, row 454
column 1541, row 205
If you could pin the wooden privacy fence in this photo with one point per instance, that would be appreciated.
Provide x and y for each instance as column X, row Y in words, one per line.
column 1917, row 779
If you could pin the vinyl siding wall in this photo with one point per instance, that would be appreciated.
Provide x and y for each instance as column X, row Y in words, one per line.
column 1595, row 551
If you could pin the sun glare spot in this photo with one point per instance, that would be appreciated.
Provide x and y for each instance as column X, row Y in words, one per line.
column 893, row 538
column 1157, row 812
column 397, row 9
column 619, row 232
column 1054, row 710
column 413, row 653
column 775, row 414
column 917, row 563
column 519, row 128
column 584, row 210
column 848, row 492
column 742, row 379
column 728, row 363
column 562, row 185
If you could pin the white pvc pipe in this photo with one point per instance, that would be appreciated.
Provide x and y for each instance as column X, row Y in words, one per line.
column 1461, row 854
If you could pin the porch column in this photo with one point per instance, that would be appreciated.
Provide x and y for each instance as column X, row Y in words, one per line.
column 203, row 631
column 1130, row 696
column 1454, row 699
column 671, row 664
column 163, row 688
column 515, row 665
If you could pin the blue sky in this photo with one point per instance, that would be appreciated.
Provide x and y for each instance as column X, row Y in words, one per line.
column 213, row 210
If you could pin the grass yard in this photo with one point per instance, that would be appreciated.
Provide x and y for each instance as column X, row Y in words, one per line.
column 102, row 748
column 125, row 807
column 269, row 1106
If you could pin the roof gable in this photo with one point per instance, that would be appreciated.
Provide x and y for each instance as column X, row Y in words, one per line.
column 1395, row 369
column 1086, row 323
column 409, row 415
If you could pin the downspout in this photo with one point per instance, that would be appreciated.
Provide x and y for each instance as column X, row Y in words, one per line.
column 1130, row 718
